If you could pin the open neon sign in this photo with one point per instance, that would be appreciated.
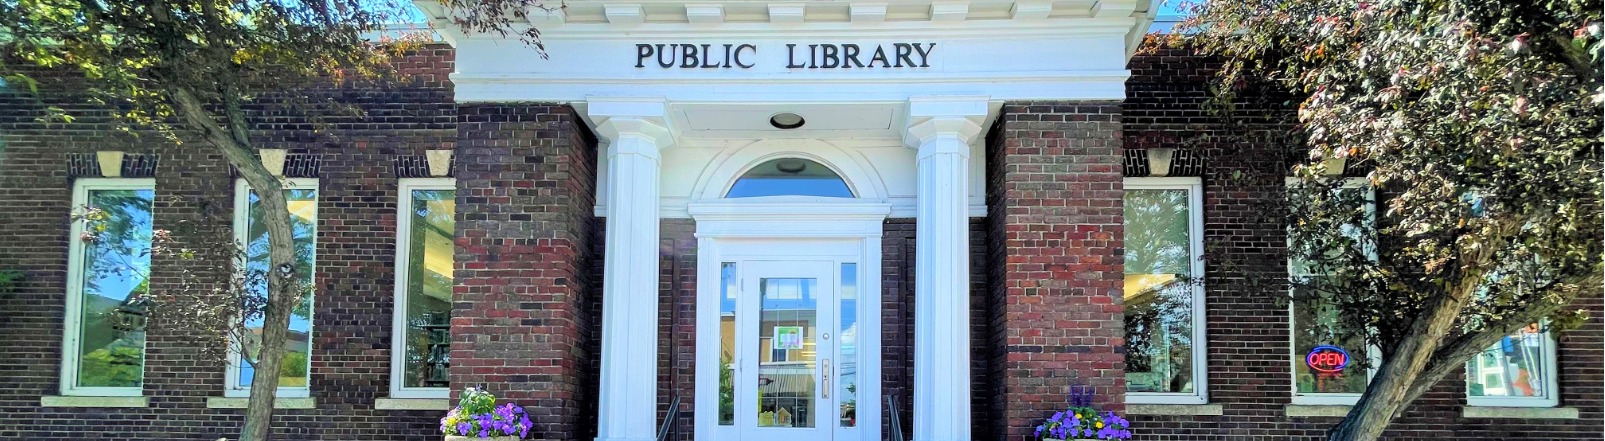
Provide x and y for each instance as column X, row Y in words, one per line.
column 1327, row 359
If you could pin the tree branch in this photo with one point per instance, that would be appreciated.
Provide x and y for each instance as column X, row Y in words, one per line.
column 1454, row 353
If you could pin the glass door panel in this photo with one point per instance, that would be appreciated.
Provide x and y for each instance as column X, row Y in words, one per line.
column 787, row 351
column 787, row 337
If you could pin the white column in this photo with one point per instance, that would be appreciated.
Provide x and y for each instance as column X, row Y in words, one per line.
column 635, row 133
column 941, row 129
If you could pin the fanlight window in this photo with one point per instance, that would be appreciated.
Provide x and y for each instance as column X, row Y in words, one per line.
column 790, row 177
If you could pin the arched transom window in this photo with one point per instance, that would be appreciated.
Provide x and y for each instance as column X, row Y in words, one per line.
column 790, row 177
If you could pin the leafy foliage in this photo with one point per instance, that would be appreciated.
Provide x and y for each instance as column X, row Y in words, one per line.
column 134, row 56
column 1477, row 122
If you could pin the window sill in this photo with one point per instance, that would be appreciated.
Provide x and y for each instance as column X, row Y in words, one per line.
column 1175, row 409
column 1525, row 413
column 72, row 401
column 278, row 403
column 431, row 404
column 1317, row 410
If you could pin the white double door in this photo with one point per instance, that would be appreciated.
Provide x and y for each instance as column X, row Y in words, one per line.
column 794, row 334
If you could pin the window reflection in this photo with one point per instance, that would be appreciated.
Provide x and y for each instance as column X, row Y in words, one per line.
column 1158, row 294
column 1516, row 366
column 429, row 283
column 116, row 274
column 787, row 351
column 848, row 362
column 303, row 206
column 727, row 343
column 790, row 177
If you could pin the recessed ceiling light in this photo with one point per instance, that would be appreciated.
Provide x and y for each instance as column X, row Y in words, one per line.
column 786, row 121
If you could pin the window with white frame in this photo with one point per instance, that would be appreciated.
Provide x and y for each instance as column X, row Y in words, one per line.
column 108, row 279
column 425, row 244
column 1326, row 353
column 301, row 195
column 1164, row 293
column 1518, row 371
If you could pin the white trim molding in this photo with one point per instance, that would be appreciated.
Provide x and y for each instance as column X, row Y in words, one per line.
column 736, row 51
column 72, row 334
column 231, row 374
column 399, row 325
column 1195, row 243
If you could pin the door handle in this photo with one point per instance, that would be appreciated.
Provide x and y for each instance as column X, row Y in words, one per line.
column 825, row 366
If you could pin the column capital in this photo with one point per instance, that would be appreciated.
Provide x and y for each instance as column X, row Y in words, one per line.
column 956, row 118
column 643, row 119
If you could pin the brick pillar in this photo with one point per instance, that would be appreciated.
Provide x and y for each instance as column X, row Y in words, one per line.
column 526, row 177
column 1055, row 232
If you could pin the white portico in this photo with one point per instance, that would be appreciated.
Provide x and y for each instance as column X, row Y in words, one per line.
column 790, row 131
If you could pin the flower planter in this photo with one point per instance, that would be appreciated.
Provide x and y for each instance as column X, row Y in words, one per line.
column 475, row 438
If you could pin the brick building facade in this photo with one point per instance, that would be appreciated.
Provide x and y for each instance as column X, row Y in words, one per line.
column 1039, row 280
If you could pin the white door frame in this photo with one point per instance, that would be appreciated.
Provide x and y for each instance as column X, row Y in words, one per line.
column 748, row 229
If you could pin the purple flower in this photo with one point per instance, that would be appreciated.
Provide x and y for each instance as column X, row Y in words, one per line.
column 462, row 428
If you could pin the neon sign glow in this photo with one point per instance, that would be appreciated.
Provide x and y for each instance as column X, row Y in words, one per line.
column 1327, row 359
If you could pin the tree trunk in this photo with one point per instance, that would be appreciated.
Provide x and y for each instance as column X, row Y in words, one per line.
column 1399, row 380
column 284, row 290
column 1387, row 392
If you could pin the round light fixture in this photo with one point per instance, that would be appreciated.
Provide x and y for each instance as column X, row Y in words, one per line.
column 791, row 167
column 786, row 121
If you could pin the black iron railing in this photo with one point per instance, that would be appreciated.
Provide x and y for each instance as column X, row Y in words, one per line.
column 897, row 422
column 671, row 422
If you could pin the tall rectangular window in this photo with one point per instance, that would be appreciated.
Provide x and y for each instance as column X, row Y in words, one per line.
column 1164, row 300
column 729, row 287
column 1518, row 371
column 108, row 278
column 425, row 246
column 294, row 373
column 1326, row 353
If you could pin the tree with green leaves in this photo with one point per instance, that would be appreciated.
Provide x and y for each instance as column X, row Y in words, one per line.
column 1478, row 125
column 191, row 70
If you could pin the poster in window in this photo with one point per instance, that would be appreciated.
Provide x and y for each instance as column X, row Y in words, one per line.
column 788, row 337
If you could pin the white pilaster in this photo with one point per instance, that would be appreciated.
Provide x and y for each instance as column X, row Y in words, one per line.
column 942, row 129
column 635, row 131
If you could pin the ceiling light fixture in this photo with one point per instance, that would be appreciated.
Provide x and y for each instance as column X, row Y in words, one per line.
column 786, row 121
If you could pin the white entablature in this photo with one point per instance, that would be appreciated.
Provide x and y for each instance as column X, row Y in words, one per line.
column 819, row 51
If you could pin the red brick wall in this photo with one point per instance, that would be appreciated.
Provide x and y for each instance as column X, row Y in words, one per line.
column 521, row 323
column 194, row 198
column 1055, row 235
column 1249, row 355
